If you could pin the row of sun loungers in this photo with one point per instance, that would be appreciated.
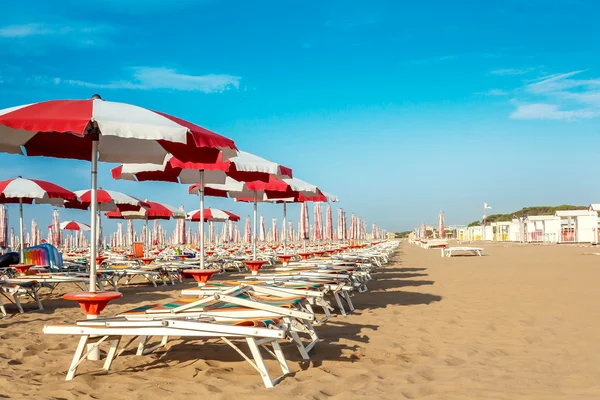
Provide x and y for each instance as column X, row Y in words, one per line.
column 259, row 311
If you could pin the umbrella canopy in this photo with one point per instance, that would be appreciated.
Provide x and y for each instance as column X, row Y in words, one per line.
column 243, row 167
column 40, row 129
column 151, row 211
column 109, row 200
column 29, row 191
column 213, row 214
column 20, row 190
column 74, row 226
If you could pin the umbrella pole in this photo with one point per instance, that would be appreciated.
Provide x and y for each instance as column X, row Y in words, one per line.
column 148, row 239
column 201, row 219
column 93, row 211
column 22, row 252
column 284, row 233
column 254, row 230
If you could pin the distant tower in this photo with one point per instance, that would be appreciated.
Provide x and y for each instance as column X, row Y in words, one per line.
column 441, row 230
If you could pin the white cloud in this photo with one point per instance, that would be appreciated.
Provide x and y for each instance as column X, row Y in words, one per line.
column 148, row 78
column 561, row 96
column 512, row 71
column 551, row 111
column 39, row 37
column 496, row 92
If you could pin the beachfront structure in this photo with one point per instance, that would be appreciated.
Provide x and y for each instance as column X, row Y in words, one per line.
column 542, row 228
column 475, row 233
column 501, row 231
column 578, row 226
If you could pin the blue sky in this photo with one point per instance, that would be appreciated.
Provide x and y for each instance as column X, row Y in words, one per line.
column 401, row 109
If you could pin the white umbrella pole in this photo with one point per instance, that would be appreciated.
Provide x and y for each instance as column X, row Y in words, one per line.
column 22, row 259
column 94, row 353
column 93, row 211
column 254, row 230
column 284, row 233
column 201, row 219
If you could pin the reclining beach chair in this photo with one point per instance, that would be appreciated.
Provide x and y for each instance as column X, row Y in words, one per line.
column 12, row 289
column 256, row 333
column 237, row 303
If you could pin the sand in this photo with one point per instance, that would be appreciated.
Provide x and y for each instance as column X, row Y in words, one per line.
column 523, row 322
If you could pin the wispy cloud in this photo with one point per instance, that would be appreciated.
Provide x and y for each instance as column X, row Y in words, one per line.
column 550, row 111
column 67, row 33
column 562, row 96
column 496, row 92
column 149, row 78
column 512, row 71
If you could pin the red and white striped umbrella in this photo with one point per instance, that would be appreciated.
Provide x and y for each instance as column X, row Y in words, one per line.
column 212, row 214
column 109, row 200
column 123, row 132
column 95, row 130
column 74, row 226
column 243, row 167
column 29, row 191
column 150, row 211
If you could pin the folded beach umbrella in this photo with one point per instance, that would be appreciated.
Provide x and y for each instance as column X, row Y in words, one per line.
column 95, row 130
column 28, row 191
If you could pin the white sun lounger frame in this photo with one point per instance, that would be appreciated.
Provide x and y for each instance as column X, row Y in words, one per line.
column 95, row 332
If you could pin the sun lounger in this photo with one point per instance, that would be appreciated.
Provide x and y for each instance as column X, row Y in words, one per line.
column 475, row 251
column 237, row 303
column 12, row 289
column 256, row 333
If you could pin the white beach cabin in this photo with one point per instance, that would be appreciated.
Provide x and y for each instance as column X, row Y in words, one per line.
column 501, row 231
column 542, row 228
column 578, row 226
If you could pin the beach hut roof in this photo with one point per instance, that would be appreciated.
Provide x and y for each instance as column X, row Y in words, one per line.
column 575, row 213
column 594, row 207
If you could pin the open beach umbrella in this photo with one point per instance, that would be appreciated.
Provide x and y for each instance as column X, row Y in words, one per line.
column 29, row 191
column 95, row 130
column 212, row 214
column 297, row 191
column 256, row 191
column 74, row 226
column 243, row 167
column 151, row 211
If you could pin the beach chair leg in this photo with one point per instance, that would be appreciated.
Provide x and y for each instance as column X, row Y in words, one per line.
column 346, row 296
column 259, row 362
column 280, row 357
column 2, row 309
column 141, row 345
column 100, row 285
column 339, row 303
column 77, row 357
column 296, row 338
column 114, row 345
column 37, row 299
column 18, row 303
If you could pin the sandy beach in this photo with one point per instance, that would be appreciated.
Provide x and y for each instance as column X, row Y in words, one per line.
column 519, row 323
